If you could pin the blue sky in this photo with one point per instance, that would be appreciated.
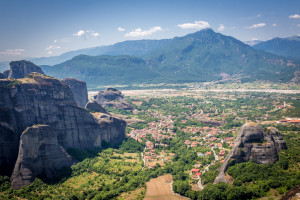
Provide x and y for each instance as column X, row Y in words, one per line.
column 37, row 28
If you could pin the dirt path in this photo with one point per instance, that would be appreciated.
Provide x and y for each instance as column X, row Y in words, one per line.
column 160, row 189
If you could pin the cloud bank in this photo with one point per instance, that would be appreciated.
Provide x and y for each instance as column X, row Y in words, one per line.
column 140, row 33
column 197, row 25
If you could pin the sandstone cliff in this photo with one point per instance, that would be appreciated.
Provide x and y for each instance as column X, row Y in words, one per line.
column 95, row 107
column 79, row 90
column 113, row 98
column 19, row 69
column 39, row 99
column 39, row 155
column 254, row 143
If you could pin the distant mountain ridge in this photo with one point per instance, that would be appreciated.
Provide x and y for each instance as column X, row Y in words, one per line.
column 200, row 56
column 130, row 47
column 288, row 47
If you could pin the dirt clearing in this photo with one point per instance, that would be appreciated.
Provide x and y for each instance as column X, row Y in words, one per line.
column 160, row 189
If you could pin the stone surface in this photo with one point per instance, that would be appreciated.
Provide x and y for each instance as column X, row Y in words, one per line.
column 79, row 90
column 2, row 76
column 113, row 98
column 95, row 107
column 253, row 143
column 39, row 155
column 5, row 73
column 39, row 99
column 20, row 69
column 112, row 128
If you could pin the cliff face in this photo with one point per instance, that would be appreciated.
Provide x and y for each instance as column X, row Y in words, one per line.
column 19, row 69
column 39, row 155
column 39, row 99
column 95, row 107
column 113, row 98
column 113, row 129
column 254, row 143
column 79, row 90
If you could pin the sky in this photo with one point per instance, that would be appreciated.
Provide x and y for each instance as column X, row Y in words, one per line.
column 42, row 28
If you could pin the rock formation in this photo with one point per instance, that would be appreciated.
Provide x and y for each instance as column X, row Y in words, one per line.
column 112, row 129
column 113, row 98
column 40, row 99
column 5, row 73
column 39, row 155
column 95, row 107
column 19, row 69
column 2, row 76
column 79, row 90
column 253, row 143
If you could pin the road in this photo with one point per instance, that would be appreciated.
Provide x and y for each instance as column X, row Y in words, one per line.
column 216, row 156
column 206, row 169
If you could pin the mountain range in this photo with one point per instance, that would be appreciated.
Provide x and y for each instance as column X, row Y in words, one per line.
column 201, row 56
column 288, row 47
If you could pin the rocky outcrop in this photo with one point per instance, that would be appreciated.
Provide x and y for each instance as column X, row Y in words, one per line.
column 39, row 155
column 79, row 90
column 2, row 76
column 113, row 129
column 39, row 99
column 20, row 69
column 95, row 107
column 253, row 143
column 113, row 98
column 5, row 73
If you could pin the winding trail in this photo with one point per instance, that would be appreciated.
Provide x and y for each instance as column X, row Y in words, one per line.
column 206, row 169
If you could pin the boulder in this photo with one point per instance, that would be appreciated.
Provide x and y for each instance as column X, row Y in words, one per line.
column 39, row 155
column 20, row 69
column 113, row 98
column 79, row 90
column 253, row 143
column 95, row 107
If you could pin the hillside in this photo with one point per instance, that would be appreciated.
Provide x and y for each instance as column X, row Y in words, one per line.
column 131, row 47
column 204, row 55
column 97, row 70
column 288, row 47
column 201, row 56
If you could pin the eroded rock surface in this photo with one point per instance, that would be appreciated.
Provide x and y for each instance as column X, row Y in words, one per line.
column 79, row 90
column 113, row 98
column 95, row 107
column 20, row 69
column 39, row 99
column 253, row 143
column 39, row 155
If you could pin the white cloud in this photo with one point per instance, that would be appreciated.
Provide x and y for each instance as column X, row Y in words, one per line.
column 55, row 41
column 295, row 16
column 121, row 29
column 221, row 27
column 256, row 25
column 254, row 38
column 197, row 25
column 140, row 33
column 93, row 33
column 9, row 52
column 298, row 25
column 79, row 33
column 274, row 25
column 86, row 33
column 51, row 48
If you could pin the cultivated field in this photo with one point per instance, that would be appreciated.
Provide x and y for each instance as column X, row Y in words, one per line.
column 160, row 189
